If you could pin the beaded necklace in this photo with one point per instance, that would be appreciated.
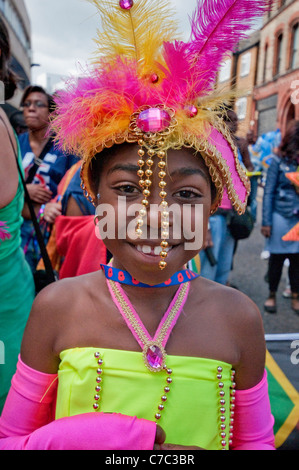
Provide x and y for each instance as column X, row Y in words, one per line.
column 153, row 348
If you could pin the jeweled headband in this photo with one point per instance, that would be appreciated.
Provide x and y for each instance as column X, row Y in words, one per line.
column 149, row 87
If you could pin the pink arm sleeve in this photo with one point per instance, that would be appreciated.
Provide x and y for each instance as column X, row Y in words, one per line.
column 27, row 421
column 253, row 423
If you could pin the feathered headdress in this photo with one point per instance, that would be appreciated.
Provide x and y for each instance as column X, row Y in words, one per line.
column 150, row 87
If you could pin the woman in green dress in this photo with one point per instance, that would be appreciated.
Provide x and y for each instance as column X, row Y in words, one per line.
column 16, row 283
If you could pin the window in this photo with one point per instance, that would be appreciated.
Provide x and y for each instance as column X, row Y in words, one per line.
column 279, row 54
column 15, row 22
column 265, row 64
column 245, row 64
column 225, row 71
column 295, row 47
column 241, row 107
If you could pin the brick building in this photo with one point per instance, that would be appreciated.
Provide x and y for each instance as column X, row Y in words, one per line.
column 276, row 95
column 265, row 72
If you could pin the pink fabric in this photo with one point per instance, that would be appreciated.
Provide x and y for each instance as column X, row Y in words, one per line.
column 253, row 425
column 27, row 422
column 224, row 148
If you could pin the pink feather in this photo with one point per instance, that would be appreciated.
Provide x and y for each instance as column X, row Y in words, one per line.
column 216, row 28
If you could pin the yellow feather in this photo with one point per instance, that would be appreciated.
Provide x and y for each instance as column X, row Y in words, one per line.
column 137, row 33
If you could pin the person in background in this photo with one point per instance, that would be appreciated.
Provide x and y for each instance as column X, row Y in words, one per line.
column 44, row 164
column 16, row 281
column 220, row 241
column 280, row 214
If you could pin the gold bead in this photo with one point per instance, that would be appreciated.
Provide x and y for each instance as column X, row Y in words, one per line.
column 149, row 162
column 165, row 225
column 148, row 173
column 163, row 254
column 142, row 212
column 138, row 232
column 148, row 182
column 162, row 165
column 144, row 202
column 164, row 244
column 140, row 163
column 165, row 234
column 162, row 184
column 140, row 142
column 151, row 152
column 163, row 194
column 139, row 222
column 141, row 183
column 164, row 204
column 146, row 193
column 141, row 152
column 162, row 174
column 140, row 173
column 161, row 154
column 162, row 265
column 165, row 214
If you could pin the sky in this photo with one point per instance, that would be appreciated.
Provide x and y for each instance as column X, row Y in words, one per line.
column 63, row 32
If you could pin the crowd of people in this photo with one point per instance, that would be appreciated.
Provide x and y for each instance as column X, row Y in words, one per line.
column 59, row 339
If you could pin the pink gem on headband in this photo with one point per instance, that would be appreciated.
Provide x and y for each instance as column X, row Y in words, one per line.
column 126, row 4
column 153, row 120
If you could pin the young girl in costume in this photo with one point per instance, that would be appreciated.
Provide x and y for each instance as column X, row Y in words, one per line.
column 145, row 354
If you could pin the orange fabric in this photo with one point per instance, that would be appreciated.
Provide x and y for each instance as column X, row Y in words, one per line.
column 292, row 235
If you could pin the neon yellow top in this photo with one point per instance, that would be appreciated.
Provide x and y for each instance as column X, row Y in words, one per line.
column 193, row 413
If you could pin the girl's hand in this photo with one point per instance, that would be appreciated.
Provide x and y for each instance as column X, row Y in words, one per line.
column 160, row 437
column 177, row 447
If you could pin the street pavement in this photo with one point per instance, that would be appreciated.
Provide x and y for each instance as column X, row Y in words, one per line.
column 248, row 276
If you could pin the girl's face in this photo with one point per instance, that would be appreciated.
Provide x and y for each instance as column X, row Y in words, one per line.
column 189, row 201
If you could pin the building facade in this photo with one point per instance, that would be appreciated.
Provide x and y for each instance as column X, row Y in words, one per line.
column 276, row 95
column 16, row 18
column 264, row 71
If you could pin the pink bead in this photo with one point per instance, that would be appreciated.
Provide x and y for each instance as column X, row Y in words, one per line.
column 154, row 78
column 153, row 120
column 192, row 111
column 126, row 4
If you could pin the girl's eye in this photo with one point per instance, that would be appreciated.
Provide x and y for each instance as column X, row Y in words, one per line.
column 128, row 189
column 187, row 194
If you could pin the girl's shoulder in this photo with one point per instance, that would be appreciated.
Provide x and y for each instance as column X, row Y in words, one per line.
column 224, row 303
column 57, row 315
